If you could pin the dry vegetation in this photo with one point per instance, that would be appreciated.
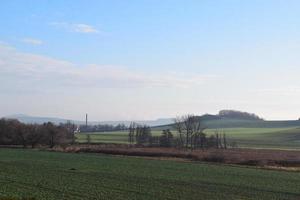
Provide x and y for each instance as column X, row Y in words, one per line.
column 254, row 157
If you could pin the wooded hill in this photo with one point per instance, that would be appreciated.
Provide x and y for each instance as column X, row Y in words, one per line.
column 237, row 119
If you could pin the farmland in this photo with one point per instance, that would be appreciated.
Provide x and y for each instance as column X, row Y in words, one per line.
column 52, row 175
column 282, row 138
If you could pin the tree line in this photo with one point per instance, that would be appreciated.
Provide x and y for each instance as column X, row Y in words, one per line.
column 13, row 132
column 189, row 134
column 102, row 128
column 234, row 114
column 139, row 134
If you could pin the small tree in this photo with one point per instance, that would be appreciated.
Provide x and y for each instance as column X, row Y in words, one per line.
column 224, row 141
column 54, row 134
column 20, row 134
column 221, row 141
column 211, row 142
column 10, row 131
column 88, row 138
column 131, row 133
column 143, row 134
column 70, row 131
column 35, row 135
column 166, row 139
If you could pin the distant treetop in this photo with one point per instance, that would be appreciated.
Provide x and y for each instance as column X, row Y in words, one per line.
column 234, row 114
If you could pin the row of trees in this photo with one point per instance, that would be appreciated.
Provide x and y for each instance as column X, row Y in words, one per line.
column 139, row 134
column 190, row 135
column 234, row 114
column 102, row 128
column 13, row 132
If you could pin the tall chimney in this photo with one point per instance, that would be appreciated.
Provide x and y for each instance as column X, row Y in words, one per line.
column 86, row 120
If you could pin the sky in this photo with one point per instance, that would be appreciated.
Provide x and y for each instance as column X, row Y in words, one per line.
column 148, row 59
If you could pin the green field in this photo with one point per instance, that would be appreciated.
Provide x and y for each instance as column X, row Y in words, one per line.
column 50, row 175
column 283, row 138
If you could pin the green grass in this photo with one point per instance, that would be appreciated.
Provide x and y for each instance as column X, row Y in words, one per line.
column 104, row 137
column 278, row 138
column 282, row 138
column 50, row 175
column 235, row 123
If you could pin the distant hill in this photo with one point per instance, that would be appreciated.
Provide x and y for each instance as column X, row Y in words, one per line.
column 225, row 119
column 237, row 119
column 40, row 120
column 157, row 122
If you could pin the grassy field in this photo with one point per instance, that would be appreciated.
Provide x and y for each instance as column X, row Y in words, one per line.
column 235, row 123
column 282, row 138
column 50, row 175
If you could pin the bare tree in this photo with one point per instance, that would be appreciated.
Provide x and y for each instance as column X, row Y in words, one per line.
column 34, row 135
column 224, row 141
column 13, row 132
column 221, row 141
column 190, row 130
column 142, row 134
column 21, row 132
column 8, row 131
column 70, row 129
column 54, row 134
column 166, row 139
column 217, row 139
column 179, row 126
column 88, row 138
column 2, row 131
column 131, row 133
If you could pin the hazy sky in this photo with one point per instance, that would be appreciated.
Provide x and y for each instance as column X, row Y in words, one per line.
column 146, row 59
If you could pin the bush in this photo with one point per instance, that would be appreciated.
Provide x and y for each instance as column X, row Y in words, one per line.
column 166, row 139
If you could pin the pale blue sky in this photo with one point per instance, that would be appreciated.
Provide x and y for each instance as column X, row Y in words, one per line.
column 146, row 59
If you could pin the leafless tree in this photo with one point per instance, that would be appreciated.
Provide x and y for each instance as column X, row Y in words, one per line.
column 142, row 134
column 131, row 133
column 179, row 126
column 70, row 129
column 166, row 139
column 34, row 135
column 88, row 138
column 224, row 141
column 55, row 134
column 221, row 141
column 13, row 132
column 190, row 130
column 217, row 139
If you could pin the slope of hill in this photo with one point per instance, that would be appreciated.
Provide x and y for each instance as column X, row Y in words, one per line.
column 239, row 123
column 232, row 123
column 269, row 138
